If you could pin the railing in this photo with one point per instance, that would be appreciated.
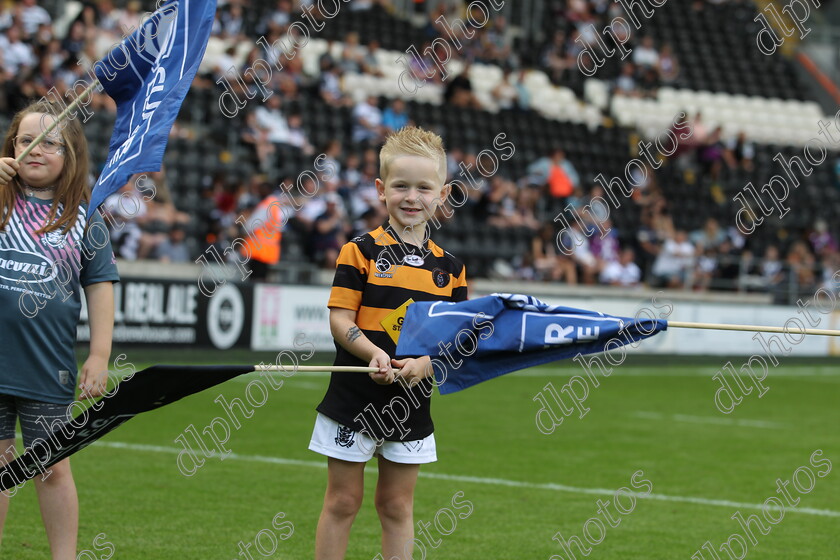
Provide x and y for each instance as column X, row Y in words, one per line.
column 786, row 291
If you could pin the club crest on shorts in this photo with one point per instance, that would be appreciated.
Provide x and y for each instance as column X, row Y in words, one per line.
column 413, row 446
column 440, row 277
column 345, row 437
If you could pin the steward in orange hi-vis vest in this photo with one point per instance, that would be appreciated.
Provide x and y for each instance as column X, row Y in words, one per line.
column 264, row 233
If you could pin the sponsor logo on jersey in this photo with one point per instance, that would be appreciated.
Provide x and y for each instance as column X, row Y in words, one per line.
column 24, row 267
column 413, row 260
column 385, row 268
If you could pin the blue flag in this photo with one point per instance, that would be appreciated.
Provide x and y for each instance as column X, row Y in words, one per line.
column 476, row 340
column 148, row 75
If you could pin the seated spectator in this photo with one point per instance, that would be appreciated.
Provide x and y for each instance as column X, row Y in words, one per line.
column 710, row 237
column 129, row 19
column 645, row 55
column 674, row 262
column 362, row 5
column 526, row 208
column 549, row 264
column 648, row 84
column 128, row 214
column 588, row 265
column 821, row 240
column 668, row 67
column 257, row 138
column 367, row 122
column 506, row 93
column 739, row 152
column 370, row 62
column 395, row 116
column 496, row 43
column 772, row 267
column 279, row 19
column 74, row 42
column 352, row 54
column 625, row 84
column 705, row 269
column 229, row 23
column 329, row 232
column 710, row 156
column 297, row 135
column 801, row 268
column 623, row 272
column 174, row 248
column 32, row 16
column 497, row 206
column 18, row 56
column 728, row 266
column 270, row 119
column 605, row 248
column 554, row 57
column 458, row 91
column 330, row 87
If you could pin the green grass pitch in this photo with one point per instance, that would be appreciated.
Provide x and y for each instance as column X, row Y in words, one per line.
column 655, row 415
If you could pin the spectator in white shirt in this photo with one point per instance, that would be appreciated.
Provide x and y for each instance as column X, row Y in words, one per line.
column 367, row 121
column 271, row 119
column 675, row 260
column 646, row 55
column 32, row 16
column 623, row 272
column 17, row 56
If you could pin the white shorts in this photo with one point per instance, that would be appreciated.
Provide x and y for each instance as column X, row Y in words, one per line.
column 340, row 442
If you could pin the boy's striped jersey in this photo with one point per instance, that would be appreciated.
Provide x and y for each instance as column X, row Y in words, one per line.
column 375, row 274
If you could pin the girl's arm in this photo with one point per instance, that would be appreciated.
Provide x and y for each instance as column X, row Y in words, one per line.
column 348, row 334
column 100, row 302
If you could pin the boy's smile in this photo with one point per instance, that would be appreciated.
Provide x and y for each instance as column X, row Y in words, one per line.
column 411, row 192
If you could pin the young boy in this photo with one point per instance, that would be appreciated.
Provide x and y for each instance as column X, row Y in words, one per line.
column 380, row 413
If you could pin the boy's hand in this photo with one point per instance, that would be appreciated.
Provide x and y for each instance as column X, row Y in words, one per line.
column 8, row 168
column 413, row 370
column 385, row 375
column 93, row 380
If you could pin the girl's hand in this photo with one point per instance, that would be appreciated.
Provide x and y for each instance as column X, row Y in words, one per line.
column 385, row 375
column 8, row 168
column 414, row 370
column 93, row 380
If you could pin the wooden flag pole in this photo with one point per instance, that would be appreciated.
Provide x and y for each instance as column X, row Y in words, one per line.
column 341, row 369
column 59, row 119
column 749, row 328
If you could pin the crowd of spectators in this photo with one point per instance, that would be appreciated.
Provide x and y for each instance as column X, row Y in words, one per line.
column 339, row 201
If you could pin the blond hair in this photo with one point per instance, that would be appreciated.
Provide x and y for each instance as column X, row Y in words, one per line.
column 412, row 141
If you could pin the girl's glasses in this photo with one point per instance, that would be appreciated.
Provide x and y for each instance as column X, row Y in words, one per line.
column 49, row 146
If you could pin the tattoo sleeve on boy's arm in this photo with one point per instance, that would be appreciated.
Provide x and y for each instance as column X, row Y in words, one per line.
column 353, row 333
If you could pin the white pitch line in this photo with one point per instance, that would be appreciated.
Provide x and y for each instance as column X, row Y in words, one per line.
column 479, row 480
column 709, row 420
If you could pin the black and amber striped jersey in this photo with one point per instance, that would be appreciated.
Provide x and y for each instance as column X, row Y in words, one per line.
column 375, row 274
